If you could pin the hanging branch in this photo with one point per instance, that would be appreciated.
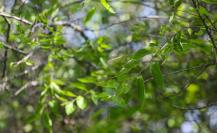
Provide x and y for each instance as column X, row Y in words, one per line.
column 7, row 37
column 195, row 4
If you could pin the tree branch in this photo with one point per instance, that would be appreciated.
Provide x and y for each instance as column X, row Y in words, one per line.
column 132, row 19
column 197, row 107
column 27, row 85
column 195, row 4
column 72, row 25
column 6, row 15
column 14, row 49
column 7, row 37
column 183, row 70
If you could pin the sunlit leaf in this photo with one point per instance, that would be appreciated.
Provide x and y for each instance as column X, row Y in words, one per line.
column 94, row 97
column 107, row 6
column 67, row 93
column 87, row 80
column 79, row 85
column 69, row 108
column 81, row 102
column 55, row 87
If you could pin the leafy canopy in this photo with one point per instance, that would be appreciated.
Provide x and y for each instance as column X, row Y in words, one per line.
column 107, row 66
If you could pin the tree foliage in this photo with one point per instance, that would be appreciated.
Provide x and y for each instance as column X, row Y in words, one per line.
column 108, row 66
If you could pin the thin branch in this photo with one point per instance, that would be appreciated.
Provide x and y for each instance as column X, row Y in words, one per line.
column 126, row 21
column 3, row 84
column 195, row 4
column 188, row 82
column 183, row 70
column 122, row 1
column 3, row 14
column 72, row 3
column 187, row 85
column 77, row 27
column 24, row 59
column 32, row 69
column 192, row 68
column 197, row 107
column 14, row 49
column 134, row 2
column 7, row 37
column 29, row 84
column 30, row 54
column 63, row 23
column 72, row 25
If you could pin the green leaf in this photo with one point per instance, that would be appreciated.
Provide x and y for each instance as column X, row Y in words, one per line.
column 171, row 2
column 178, row 3
column 119, row 101
column 128, row 66
column 94, row 97
column 67, row 93
column 48, row 122
column 81, row 102
column 38, row 112
column 107, row 6
column 210, row 1
column 172, row 17
column 141, row 53
column 157, row 75
column 203, row 11
column 141, row 90
column 177, row 43
column 54, row 106
column 29, row 63
column 55, row 87
column 69, row 108
column 89, row 15
column 61, row 98
column 117, row 60
column 87, row 80
column 1, row 45
column 79, row 86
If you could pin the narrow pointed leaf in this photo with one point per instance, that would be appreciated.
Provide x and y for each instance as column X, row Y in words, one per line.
column 141, row 53
column 107, row 6
column 157, row 75
column 48, row 122
column 141, row 90
column 89, row 15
